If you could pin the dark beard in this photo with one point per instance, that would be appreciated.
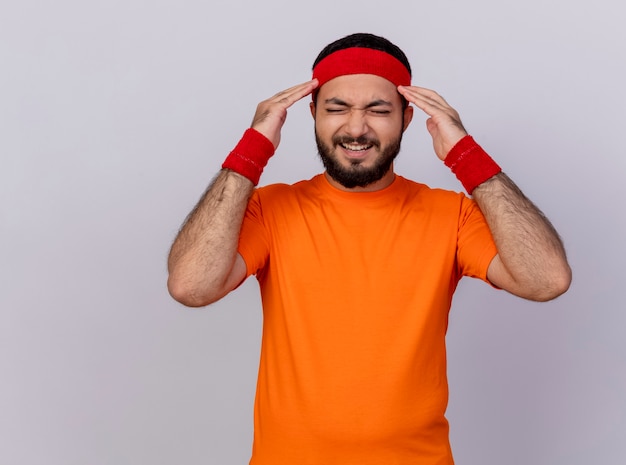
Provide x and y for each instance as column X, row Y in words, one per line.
column 356, row 175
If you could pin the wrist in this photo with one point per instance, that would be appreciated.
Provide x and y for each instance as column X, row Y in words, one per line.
column 250, row 155
column 470, row 163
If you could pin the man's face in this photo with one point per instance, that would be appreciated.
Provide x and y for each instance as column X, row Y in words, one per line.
column 359, row 123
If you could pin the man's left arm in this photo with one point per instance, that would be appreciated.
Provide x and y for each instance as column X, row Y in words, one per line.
column 531, row 261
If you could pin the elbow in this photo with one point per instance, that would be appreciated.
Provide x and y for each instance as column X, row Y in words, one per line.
column 188, row 295
column 555, row 285
column 562, row 282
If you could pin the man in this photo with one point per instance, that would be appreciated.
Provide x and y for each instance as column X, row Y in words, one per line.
column 357, row 266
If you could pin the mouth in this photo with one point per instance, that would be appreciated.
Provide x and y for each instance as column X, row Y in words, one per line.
column 356, row 147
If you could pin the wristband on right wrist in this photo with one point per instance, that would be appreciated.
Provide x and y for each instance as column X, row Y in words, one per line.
column 470, row 163
column 250, row 155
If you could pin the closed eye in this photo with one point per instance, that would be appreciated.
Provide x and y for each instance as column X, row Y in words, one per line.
column 371, row 111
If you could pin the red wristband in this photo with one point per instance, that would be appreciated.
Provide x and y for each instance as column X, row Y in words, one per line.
column 250, row 155
column 470, row 163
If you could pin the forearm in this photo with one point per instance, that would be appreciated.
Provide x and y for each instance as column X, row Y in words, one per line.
column 203, row 254
column 531, row 256
column 531, row 261
column 203, row 263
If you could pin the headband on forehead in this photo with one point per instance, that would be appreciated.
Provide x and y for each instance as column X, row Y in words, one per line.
column 361, row 60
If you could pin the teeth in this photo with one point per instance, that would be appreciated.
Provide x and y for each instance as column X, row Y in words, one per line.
column 355, row 147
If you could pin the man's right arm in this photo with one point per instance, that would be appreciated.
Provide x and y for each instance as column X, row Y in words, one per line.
column 203, row 264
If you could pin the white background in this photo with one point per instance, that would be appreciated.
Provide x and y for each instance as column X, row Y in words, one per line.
column 115, row 115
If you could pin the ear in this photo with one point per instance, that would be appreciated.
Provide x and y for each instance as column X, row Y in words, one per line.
column 407, row 117
column 312, row 107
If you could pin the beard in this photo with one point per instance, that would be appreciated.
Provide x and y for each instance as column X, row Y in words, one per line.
column 356, row 175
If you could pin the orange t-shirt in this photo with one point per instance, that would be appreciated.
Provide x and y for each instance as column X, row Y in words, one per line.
column 356, row 290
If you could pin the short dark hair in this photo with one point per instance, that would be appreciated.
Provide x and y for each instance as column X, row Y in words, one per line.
column 366, row 41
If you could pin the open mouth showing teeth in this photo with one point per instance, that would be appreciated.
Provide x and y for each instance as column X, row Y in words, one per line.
column 356, row 147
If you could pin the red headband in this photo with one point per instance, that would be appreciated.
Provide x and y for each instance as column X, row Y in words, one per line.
column 361, row 60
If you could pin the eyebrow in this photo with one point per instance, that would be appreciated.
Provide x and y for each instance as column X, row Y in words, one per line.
column 374, row 103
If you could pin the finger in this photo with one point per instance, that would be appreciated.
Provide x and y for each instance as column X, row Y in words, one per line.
column 284, row 99
column 421, row 96
column 289, row 96
column 422, row 92
column 422, row 101
column 427, row 100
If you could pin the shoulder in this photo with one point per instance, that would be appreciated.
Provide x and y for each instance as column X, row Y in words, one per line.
column 424, row 193
column 279, row 191
column 439, row 204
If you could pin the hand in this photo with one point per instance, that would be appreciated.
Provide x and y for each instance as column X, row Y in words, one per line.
column 271, row 113
column 444, row 124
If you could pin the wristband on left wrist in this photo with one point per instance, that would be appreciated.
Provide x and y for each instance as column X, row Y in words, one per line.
column 471, row 164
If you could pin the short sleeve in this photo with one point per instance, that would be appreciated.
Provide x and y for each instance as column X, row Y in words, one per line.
column 475, row 246
column 253, row 238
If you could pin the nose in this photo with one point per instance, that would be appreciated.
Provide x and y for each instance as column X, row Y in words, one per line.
column 356, row 123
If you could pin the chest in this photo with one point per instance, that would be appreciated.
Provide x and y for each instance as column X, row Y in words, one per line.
column 362, row 242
